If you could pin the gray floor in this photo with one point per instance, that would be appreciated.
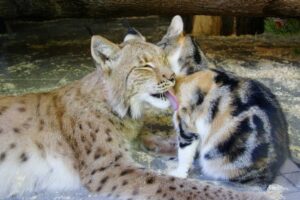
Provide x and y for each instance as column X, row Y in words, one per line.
column 289, row 178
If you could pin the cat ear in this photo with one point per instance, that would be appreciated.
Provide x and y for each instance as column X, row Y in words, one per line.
column 133, row 34
column 102, row 51
column 176, row 27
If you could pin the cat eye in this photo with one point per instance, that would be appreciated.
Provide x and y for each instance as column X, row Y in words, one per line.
column 163, row 45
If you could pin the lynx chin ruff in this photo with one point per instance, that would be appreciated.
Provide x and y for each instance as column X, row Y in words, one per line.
column 76, row 135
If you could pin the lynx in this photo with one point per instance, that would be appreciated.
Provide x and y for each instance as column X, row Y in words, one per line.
column 76, row 135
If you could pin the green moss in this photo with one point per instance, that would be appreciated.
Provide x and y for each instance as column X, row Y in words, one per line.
column 290, row 26
column 22, row 68
column 7, row 86
column 297, row 51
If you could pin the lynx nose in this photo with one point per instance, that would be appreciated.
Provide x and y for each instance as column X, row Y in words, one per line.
column 171, row 78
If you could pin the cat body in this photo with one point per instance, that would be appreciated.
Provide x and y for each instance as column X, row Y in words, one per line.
column 236, row 124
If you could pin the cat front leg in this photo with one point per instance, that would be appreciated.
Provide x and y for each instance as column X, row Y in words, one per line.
column 188, row 145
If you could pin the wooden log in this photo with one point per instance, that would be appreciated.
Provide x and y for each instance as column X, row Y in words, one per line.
column 206, row 25
column 228, row 25
column 3, row 28
column 50, row 9
column 216, row 25
column 249, row 25
column 188, row 23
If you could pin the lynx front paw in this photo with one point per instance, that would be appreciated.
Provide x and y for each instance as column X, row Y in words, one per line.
column 178, row 173
column 159, row 144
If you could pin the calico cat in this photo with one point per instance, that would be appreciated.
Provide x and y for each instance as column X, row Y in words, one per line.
column 236, row 124
column 183, row 52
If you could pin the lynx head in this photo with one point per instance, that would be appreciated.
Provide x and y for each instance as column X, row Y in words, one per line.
column 182, row 51
column 134, row 73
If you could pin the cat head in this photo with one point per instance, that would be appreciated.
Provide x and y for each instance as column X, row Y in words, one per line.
column 183, row 53
column 134, row 73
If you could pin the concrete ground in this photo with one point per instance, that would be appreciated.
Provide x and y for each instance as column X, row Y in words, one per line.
column 38, row 56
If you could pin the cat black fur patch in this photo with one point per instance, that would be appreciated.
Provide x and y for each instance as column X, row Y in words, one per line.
column 259, row 125
column 186, row 142
column 181, row 131
column 224, row 79
column 261, row 151
column 214, row 108
column 198, row 98
column 185, row 138
column 190, row 70
column 234, row 146
column 238, row 106
column 196, row 55
column 129, row 112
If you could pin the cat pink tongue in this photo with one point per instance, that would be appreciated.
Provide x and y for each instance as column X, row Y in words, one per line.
column 173, row 100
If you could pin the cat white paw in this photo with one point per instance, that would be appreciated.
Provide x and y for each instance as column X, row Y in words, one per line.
column 178, row 173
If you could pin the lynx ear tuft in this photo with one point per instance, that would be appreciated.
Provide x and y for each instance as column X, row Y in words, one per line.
column 132, row 34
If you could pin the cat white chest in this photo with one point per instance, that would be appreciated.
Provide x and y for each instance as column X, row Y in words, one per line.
column 174, row 61
column 203, row 127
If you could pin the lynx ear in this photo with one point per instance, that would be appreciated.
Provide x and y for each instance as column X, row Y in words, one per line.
column 176, row 27
column 102, row 51
column 132, row 34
